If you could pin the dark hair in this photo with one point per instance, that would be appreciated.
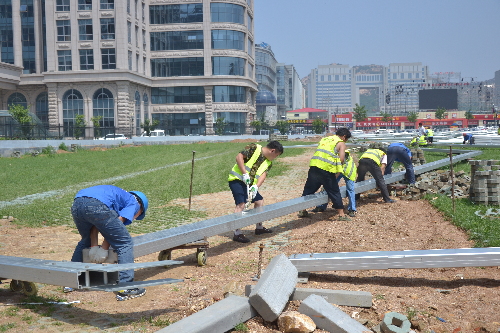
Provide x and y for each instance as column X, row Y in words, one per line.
column 275, row 145
column 419, row 124
column 343, row 131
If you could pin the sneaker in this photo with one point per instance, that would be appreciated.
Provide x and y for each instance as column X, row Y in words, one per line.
column 351, row 213
column 343, row 218
column 303, row 213
column 68, row 289
column 318, row 210
column 126, row 294
column 240, row 238
column 263, row 231
column 389, row 201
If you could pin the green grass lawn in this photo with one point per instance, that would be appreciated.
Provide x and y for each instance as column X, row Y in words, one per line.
column 163, row 173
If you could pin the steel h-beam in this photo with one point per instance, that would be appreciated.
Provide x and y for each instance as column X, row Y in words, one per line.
column 173, row 237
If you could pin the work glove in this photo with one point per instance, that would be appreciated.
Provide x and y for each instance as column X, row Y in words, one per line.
column 98, row 255
column 246, row 178
column 253, row 191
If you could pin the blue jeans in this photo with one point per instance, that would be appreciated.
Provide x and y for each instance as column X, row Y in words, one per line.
column 399, row 153
column 351, row 194
column 89, row 212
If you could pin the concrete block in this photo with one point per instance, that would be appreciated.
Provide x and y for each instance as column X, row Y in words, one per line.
column 329, row 317
column 219, row 317
column 274, row 288
column 394, row 322
column 361, row 299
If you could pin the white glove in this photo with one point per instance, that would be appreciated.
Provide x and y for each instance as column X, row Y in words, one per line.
column 253, row 191
column 246, row 178
column 98, row 255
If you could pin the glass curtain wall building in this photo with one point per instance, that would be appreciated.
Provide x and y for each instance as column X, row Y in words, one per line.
column 185, row 64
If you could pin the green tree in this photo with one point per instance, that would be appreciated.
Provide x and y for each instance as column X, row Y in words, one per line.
column 386, row 117
column 469, row 115
column 96, row 121
column 220, row 124
column 412, row 116
column 359, row 112
column 318, row 126
column 23, row 117
column 80, row 124
column 283, row 126
column 149, row 125
column 440, row 113
column 257, row 124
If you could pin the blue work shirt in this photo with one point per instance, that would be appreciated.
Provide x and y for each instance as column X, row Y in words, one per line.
column 467, row 137
column 399, row 144
column 117, row 199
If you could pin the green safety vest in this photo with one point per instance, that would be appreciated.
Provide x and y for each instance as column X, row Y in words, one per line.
column 237, row 174
column 325, row 157
column 350, row 169
column 374, row 154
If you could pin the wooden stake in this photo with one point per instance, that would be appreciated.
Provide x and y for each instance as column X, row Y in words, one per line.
column 191, row 185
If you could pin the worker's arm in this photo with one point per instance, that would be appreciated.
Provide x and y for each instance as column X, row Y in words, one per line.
column 94, row 236
column 240, row 161
column 341, row 150
column 382, row 167
column 261, row 179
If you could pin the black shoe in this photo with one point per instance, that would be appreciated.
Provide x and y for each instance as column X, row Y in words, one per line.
column 240, row 238
column 351, row 213
column 263, row 231
column 318, row 210
column 389, row 201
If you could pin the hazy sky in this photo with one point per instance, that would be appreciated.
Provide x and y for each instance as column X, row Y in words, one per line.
column 446, row 35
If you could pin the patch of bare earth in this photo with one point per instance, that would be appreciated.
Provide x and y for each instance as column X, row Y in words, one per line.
column 440, row 299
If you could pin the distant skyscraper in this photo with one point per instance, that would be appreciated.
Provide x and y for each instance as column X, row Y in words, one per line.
column 184, row 64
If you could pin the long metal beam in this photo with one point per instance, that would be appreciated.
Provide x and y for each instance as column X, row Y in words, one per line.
column 185, row 234
column 349, row 261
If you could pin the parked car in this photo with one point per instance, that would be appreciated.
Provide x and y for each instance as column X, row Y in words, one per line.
column 114, row 137
column 357, row 132
column 154, row 133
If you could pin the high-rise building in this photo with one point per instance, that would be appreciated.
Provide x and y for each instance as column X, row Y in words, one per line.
column 182, row 63
column 290, row 91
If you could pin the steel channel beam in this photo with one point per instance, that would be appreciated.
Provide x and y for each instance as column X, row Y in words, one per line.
column 439, row 258
column 173, row 237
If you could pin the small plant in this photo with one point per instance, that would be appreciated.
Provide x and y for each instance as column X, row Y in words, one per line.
column 379, row 296
column 63, row 146
column 410, row 313
column 49, row 151
column 12, row 312
column 241, row 327
column 6, row 327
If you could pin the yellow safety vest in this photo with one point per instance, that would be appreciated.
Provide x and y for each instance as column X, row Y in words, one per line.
column 422, row 141
column 375, row 154
column 430, row 132
column 350, row 169
column 237, row 174
column 325, row 157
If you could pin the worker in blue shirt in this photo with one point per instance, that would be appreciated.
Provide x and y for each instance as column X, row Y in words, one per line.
column 398, row 152
column 468, row 138
column 107, row 209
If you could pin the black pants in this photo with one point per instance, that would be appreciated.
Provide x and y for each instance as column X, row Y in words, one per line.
column 369, row 165
column 317, row 177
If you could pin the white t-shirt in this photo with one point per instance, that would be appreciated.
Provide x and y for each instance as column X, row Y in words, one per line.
column 384, row 160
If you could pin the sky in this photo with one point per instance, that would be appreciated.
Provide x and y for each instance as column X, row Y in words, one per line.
column 445, row 35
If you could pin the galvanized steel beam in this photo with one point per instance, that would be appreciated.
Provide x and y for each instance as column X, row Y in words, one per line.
column 439, row 258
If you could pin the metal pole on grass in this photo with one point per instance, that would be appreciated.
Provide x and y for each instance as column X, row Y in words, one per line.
column 452, row 181
column 191, row 185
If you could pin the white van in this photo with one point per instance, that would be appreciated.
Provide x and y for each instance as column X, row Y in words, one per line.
column 154, row 134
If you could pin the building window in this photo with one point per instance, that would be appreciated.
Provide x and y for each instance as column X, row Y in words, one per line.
column 104, row 106
column 137, row 36
column 227, row 12
column 63, row 30
column 250, row 47
column 249, row 22
column 144, row 39
column 145, row 100
column 6, row 33
column 409, row 75
column 108, row 57
column 402, row 75
column 223, row 94
column 228, row 39
column 129, row 32
column 177, row 67
column 143, row 12
column 42, row 107
column 228, row 66
column 128, row 6
column 164, row 95
column 85, row 30
column 72, row 106
column 107, row 4
column 17, row 99
column 144, row 65
column 130, row 60
column 250, row 70
column 86, row 60
column 176, row 40
column 62, row 6
column 64, row 60
column 84, row 4
column 107, row 28
column 166, row 14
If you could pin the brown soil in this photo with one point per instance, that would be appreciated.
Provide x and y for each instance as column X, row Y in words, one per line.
column 440, row 299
